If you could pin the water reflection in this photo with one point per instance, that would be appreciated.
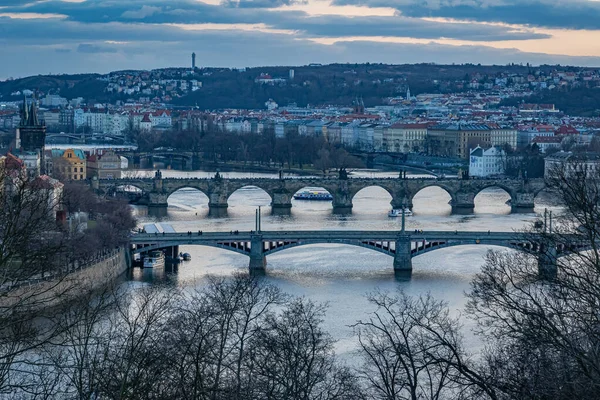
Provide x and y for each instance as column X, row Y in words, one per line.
column 338, row 274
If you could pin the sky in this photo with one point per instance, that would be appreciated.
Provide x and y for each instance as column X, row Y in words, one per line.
column 75, row 36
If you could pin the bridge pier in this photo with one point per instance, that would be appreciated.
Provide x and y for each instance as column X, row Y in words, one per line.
column 258, row 261
column 281, row 203
column 217, row 203
column 217, row 210
column 401, row 201
column 522, row 202
column 403, row 257
column 463, row 203
column 172, row 252
column 157, row 204
column 548, row 261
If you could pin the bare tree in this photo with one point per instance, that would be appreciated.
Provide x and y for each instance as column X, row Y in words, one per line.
column 546, row 329
column 78, row 355
column 133, row 365
column 292, row 357
column 409, row 345
column 214, row 328
column 31, row 268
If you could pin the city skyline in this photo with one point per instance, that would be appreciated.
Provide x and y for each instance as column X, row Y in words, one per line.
column 76, row 36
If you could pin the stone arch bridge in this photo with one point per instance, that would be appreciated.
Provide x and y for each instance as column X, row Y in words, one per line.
column 402, row 246
column 218, row 190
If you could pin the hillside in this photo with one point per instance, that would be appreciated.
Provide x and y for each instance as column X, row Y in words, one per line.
column 338, row 84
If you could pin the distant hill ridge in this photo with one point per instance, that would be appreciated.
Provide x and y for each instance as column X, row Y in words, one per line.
column 338, row 84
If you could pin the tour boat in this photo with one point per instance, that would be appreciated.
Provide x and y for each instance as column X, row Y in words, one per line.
column 154, row 259
column 187, row 257
column 313, row 195
column 398, row 213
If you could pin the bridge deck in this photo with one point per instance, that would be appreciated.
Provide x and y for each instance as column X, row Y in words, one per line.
column 345, row 234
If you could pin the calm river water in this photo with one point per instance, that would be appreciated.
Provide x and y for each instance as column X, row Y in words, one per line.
column 336, row 274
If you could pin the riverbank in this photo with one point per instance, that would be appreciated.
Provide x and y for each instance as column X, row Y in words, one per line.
column 78, row 280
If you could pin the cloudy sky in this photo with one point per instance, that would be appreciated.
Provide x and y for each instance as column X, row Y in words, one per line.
column 54, row 36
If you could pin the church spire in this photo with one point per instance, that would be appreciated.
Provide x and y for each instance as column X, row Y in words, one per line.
column 24, row 112
column 33, row 117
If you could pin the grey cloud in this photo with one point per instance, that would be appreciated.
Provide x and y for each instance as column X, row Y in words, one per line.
column 261, row 3
column 260, row 49
column 399, row 26
column 568, row 14
column 144, row 12
column 94, row 48
column 185, row 12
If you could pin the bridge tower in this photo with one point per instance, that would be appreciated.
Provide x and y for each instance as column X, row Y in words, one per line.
column 31, row 133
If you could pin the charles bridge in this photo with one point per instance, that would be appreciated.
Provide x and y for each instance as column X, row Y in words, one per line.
column 402, row 190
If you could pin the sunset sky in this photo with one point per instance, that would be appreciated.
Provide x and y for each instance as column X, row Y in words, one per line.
column 55, row 36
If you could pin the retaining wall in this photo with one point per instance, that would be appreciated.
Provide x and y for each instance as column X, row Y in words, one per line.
column 81, row 280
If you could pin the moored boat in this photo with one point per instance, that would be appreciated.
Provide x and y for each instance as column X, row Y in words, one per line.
column 154, row 259
column 398, row 213
column 313, row 195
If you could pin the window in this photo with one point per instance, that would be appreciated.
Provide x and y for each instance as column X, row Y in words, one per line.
column 80, row 176
column 80, row 169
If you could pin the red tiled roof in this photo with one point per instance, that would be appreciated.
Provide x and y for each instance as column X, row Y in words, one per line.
column 13, row 162
column 567, row 130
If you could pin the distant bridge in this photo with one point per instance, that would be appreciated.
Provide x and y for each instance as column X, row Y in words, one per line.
column 187, row 159
column 218, row 190
column 402, row 245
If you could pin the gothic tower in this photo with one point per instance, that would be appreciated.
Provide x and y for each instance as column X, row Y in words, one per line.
column 31, row 133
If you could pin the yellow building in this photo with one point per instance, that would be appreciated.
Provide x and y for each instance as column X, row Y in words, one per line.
column 69, row 164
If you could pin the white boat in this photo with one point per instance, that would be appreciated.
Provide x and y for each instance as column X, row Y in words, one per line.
column 154, row 259
column 398, row 213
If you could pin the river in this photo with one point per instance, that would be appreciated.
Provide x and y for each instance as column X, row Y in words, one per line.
column 338, row 275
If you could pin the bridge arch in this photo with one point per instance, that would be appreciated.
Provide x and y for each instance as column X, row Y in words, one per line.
column 282, row 245
column 445, row 195
column 263, row 198
column 166, row 245
column 192, row 196
column 417, row 249
column 488, row 200
column 380, row 189
column 116, row 186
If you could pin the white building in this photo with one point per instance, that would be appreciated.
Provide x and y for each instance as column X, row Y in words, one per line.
column 572, row 164
column 54, row 100
column 161, row 118
column 271, row 105
column 484, row 163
